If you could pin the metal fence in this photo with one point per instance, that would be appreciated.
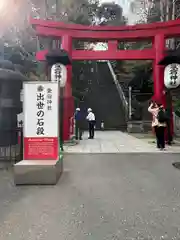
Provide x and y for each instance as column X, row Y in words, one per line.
column 138, row 104
column 176, row 120
column 11, row 146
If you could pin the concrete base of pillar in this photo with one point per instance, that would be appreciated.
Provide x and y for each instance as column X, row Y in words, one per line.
column 135, row 127
column 38, row 172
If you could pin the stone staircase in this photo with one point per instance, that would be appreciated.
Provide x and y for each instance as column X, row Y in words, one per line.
column 140, row 116
column 107, row 94
column 103, row 97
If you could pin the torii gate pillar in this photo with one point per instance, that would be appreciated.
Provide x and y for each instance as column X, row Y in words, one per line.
column 158, row 70
column 66, row 44
column 158, row 75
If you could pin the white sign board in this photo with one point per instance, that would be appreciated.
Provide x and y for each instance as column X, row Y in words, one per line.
column 172, row 76
column 41, row 120
column 40, row 109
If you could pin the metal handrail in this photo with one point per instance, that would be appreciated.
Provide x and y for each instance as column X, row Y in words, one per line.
column 119, row 88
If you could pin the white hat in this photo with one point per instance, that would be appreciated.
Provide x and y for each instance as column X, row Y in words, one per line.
column 89, row 110
column 77, row 109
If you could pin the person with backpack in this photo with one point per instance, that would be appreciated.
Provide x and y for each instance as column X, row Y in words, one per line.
column 159, row 123
column 169, row 136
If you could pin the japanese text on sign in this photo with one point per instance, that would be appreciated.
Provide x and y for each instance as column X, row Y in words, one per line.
column 173, row 74
column 49, row 99
column 40, row 108
column 40, row 98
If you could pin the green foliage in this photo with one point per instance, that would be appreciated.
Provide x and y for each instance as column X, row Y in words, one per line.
column 142, row 72
column 110, row 14
column 154, row 14
column 105, row 14
column 177, row 108
column 142, row 83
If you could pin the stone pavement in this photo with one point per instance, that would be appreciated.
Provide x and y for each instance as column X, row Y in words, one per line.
column 123, row 196
column 112, row 142
column 150, row 139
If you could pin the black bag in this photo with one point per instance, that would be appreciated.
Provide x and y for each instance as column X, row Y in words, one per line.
column 161, row 116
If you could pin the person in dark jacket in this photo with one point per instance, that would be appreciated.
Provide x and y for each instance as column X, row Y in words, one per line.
column 78, row 124
column 168, row 123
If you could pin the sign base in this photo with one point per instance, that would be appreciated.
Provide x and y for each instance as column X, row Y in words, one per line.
column 38, row 172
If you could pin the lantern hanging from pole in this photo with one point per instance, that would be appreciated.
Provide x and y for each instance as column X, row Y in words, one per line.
column 59, row 74
column 172, row 75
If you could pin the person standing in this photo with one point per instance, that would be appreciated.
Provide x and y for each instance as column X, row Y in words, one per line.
column 159, row 123
column 91, row 120
column 168, row 125
column 78, row 124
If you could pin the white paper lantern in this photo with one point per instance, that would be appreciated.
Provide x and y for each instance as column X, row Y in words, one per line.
column 59, row 74
column 172, row 76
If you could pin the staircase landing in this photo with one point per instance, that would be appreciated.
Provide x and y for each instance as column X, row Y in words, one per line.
column 111, row 142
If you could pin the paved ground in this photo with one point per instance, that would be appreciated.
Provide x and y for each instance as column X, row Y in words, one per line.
column 100, row 196
column 149, row 138
column 114, row 142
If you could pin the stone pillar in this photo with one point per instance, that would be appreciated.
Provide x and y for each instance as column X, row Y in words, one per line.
column 66, row 44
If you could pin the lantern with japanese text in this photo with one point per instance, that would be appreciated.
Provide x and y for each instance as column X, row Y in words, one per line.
column 59, row 74
column 58, row 60
column 172, row 75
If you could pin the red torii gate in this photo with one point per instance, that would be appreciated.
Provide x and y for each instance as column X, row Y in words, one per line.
column 156, row 32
